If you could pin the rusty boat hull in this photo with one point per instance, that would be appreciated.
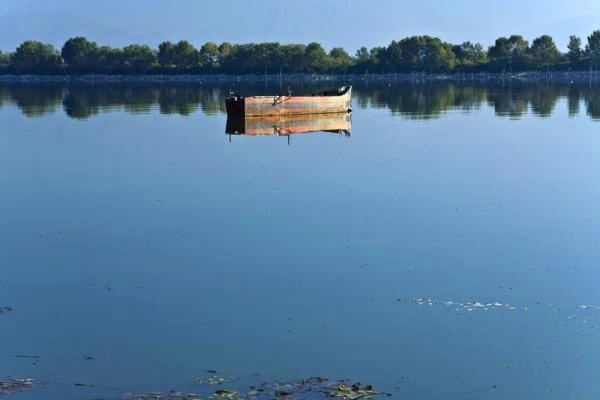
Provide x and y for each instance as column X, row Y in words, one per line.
column 289, row 124
column 334, row 101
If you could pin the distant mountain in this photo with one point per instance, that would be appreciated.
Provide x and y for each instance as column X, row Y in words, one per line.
column 56, row 28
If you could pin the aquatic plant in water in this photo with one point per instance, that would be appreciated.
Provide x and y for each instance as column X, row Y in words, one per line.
column 306, row 389
column 13, row 385
column 160, row 396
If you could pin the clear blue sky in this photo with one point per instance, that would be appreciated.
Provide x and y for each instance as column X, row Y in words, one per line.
column 346, row 23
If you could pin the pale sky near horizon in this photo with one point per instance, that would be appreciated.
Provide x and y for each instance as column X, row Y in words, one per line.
column 346, row 23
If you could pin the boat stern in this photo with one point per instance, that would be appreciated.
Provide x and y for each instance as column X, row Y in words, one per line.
column 235, row 105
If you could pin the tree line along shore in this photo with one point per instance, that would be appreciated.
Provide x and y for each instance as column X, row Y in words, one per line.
column 422, row 54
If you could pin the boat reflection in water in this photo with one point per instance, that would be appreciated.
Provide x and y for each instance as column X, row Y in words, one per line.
column 289, row 125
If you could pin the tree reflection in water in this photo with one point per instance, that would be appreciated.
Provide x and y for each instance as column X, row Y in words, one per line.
column 408, row 100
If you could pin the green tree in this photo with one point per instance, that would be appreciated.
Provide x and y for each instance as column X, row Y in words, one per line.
column 272, row 54
column 377, row 53
column 293, row 57
column 315, row 57
column 512, row 51
column 339, row 59
column 166, row 54
column 185, row 55
column 575, row 52
column 544, row 51
column 35, row 57
column 518, row 45
column 4, row 60
column 468, row 53
column 139, row 57
column 392, row 57
column 500, row 51
column 363, row 55
column 110, row 59
column 593, row 45
column 225, row 50
column 80, row 53
column 241, row 59
column 209, row 55
column 438, row 55
column 418, row 53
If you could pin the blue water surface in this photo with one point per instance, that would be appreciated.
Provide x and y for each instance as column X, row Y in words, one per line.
column 439, row 252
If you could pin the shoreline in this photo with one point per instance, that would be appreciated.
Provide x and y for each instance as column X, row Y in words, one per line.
column 530, row 76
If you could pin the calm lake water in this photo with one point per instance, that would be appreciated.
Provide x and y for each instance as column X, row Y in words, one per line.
column 447, row 249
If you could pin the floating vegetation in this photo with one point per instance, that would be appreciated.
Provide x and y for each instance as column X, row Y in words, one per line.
column 314, row 388
column 470, row 305
column 226, row 394
column 352, row 392
column 481, row 305
column 5, row 309
column 213, row 380
column 587, row 314
column 310, row 388
column 420, row 301
column 14, row 385
column 161, row 396
column 586, row 307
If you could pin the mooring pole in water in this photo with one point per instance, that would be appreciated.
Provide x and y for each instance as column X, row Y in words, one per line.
column 265, row 78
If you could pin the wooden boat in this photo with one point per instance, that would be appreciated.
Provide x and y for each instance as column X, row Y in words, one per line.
column 286, row 125
column 326, row 102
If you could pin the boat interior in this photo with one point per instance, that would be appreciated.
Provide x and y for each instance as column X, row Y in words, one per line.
column 333, row 92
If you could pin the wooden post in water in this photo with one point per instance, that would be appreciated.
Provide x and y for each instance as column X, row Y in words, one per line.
column 590, row 71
